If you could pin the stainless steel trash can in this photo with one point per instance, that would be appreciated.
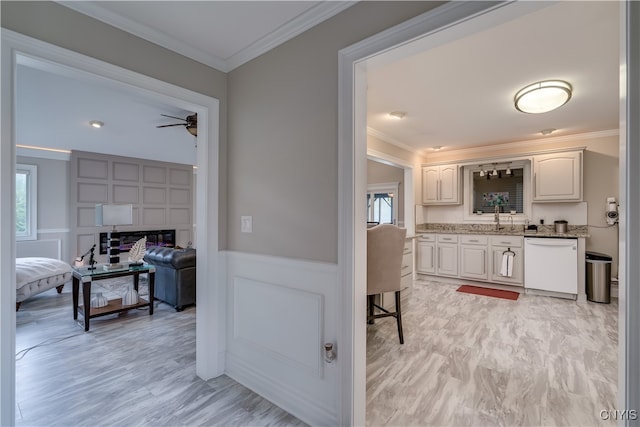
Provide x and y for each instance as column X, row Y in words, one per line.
column 598, row 277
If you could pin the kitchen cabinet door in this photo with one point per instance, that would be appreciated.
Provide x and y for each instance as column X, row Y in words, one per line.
column 440, row 184
column 447, row 264
column 430, row 184
column 426, row 259
column 474, row 262
column 449, row 184
column 517, row 275
column 557, row 177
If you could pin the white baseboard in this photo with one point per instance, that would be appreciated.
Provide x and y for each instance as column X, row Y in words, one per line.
column 280, row 394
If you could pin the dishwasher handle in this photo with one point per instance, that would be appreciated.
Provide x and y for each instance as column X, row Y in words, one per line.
column 550, row 242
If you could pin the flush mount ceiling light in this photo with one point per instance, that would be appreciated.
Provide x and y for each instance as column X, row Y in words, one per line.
column 96, row 124
column 542, row 97
column 437, row 148
column 398, row 114
column 548, row 131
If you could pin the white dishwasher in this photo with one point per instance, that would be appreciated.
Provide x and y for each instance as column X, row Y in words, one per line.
column 551, row 264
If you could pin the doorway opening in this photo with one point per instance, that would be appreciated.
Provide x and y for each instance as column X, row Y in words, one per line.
column 17, row 48
column 354, row 62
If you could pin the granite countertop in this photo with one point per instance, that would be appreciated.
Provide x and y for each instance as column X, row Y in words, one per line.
column 573, row 231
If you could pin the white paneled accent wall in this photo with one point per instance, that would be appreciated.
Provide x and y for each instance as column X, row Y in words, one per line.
column 160, row 192
column 280, row 314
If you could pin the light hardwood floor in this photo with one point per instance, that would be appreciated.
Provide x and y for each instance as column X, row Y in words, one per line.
column 467, row 361
column 130, row 369
column 472, row 360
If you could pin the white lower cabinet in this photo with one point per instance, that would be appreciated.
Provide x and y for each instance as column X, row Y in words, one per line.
column 472, row 256
column 499, row 246
column 426, row 254
column 447, row 255
column 407, row 265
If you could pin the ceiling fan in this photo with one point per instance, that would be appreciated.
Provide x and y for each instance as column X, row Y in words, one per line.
column 191, row 123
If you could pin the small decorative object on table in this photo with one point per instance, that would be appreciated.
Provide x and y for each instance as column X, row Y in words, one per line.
column 99, row 300
column 137, row 251
column 130, row 297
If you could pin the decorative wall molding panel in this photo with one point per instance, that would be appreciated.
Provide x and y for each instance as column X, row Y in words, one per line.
column 299, row 345
column 280, row 313
column 160, row 192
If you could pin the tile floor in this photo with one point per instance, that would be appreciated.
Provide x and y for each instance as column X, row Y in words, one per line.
column 471, row 360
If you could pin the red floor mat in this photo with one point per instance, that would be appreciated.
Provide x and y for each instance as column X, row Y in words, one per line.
column 496, row 293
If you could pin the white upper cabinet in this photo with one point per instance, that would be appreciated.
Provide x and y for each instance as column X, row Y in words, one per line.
column 441, row 184
column 557, row 177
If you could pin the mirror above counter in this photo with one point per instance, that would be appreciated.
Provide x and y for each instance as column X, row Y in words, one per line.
column 504, row 187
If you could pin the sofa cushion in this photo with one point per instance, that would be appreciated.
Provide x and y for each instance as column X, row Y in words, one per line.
column 170, row 257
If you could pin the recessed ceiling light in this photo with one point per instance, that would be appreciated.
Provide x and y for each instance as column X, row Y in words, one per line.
column 548, row 131
column 542, row 97
column 398, row 114
column 96, row 124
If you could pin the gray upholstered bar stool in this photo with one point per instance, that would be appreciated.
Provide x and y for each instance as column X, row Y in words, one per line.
column 385, row 248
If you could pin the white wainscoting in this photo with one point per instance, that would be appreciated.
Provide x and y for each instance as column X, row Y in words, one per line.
column 45, row 248
column 280, row 312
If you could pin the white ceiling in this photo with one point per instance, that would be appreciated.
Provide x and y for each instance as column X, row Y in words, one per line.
column 457, row 92
column 221, row 34
column 460, row 92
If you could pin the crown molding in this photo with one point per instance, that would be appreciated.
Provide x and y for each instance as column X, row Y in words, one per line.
column 306, row 20
column 145, row 32
column 301, row 23
column 390, row 140
column 531, row 142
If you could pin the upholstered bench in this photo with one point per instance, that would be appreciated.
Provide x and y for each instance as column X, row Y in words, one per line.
column 175, row 281
column 35, row 275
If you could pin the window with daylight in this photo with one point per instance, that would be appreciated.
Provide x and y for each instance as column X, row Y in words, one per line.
column 26, row 196
column 381, row 204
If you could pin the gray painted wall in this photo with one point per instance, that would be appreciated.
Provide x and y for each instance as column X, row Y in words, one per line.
column 283, row 136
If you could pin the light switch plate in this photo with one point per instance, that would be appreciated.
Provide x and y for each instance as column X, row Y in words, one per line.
column 246, row 224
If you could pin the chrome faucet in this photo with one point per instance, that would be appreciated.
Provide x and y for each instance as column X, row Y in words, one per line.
column 496, row 216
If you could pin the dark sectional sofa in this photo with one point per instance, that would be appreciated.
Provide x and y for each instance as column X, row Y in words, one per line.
column 175, row 281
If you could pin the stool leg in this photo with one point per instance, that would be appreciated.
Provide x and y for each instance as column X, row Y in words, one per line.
column 371, row 300
column 399, row 317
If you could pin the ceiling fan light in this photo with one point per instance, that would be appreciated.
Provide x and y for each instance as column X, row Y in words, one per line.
column 543, row 96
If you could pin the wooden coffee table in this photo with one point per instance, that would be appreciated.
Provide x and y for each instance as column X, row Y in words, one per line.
column 87, row 276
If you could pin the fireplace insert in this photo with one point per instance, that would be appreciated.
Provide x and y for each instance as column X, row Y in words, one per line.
column 166, row 238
